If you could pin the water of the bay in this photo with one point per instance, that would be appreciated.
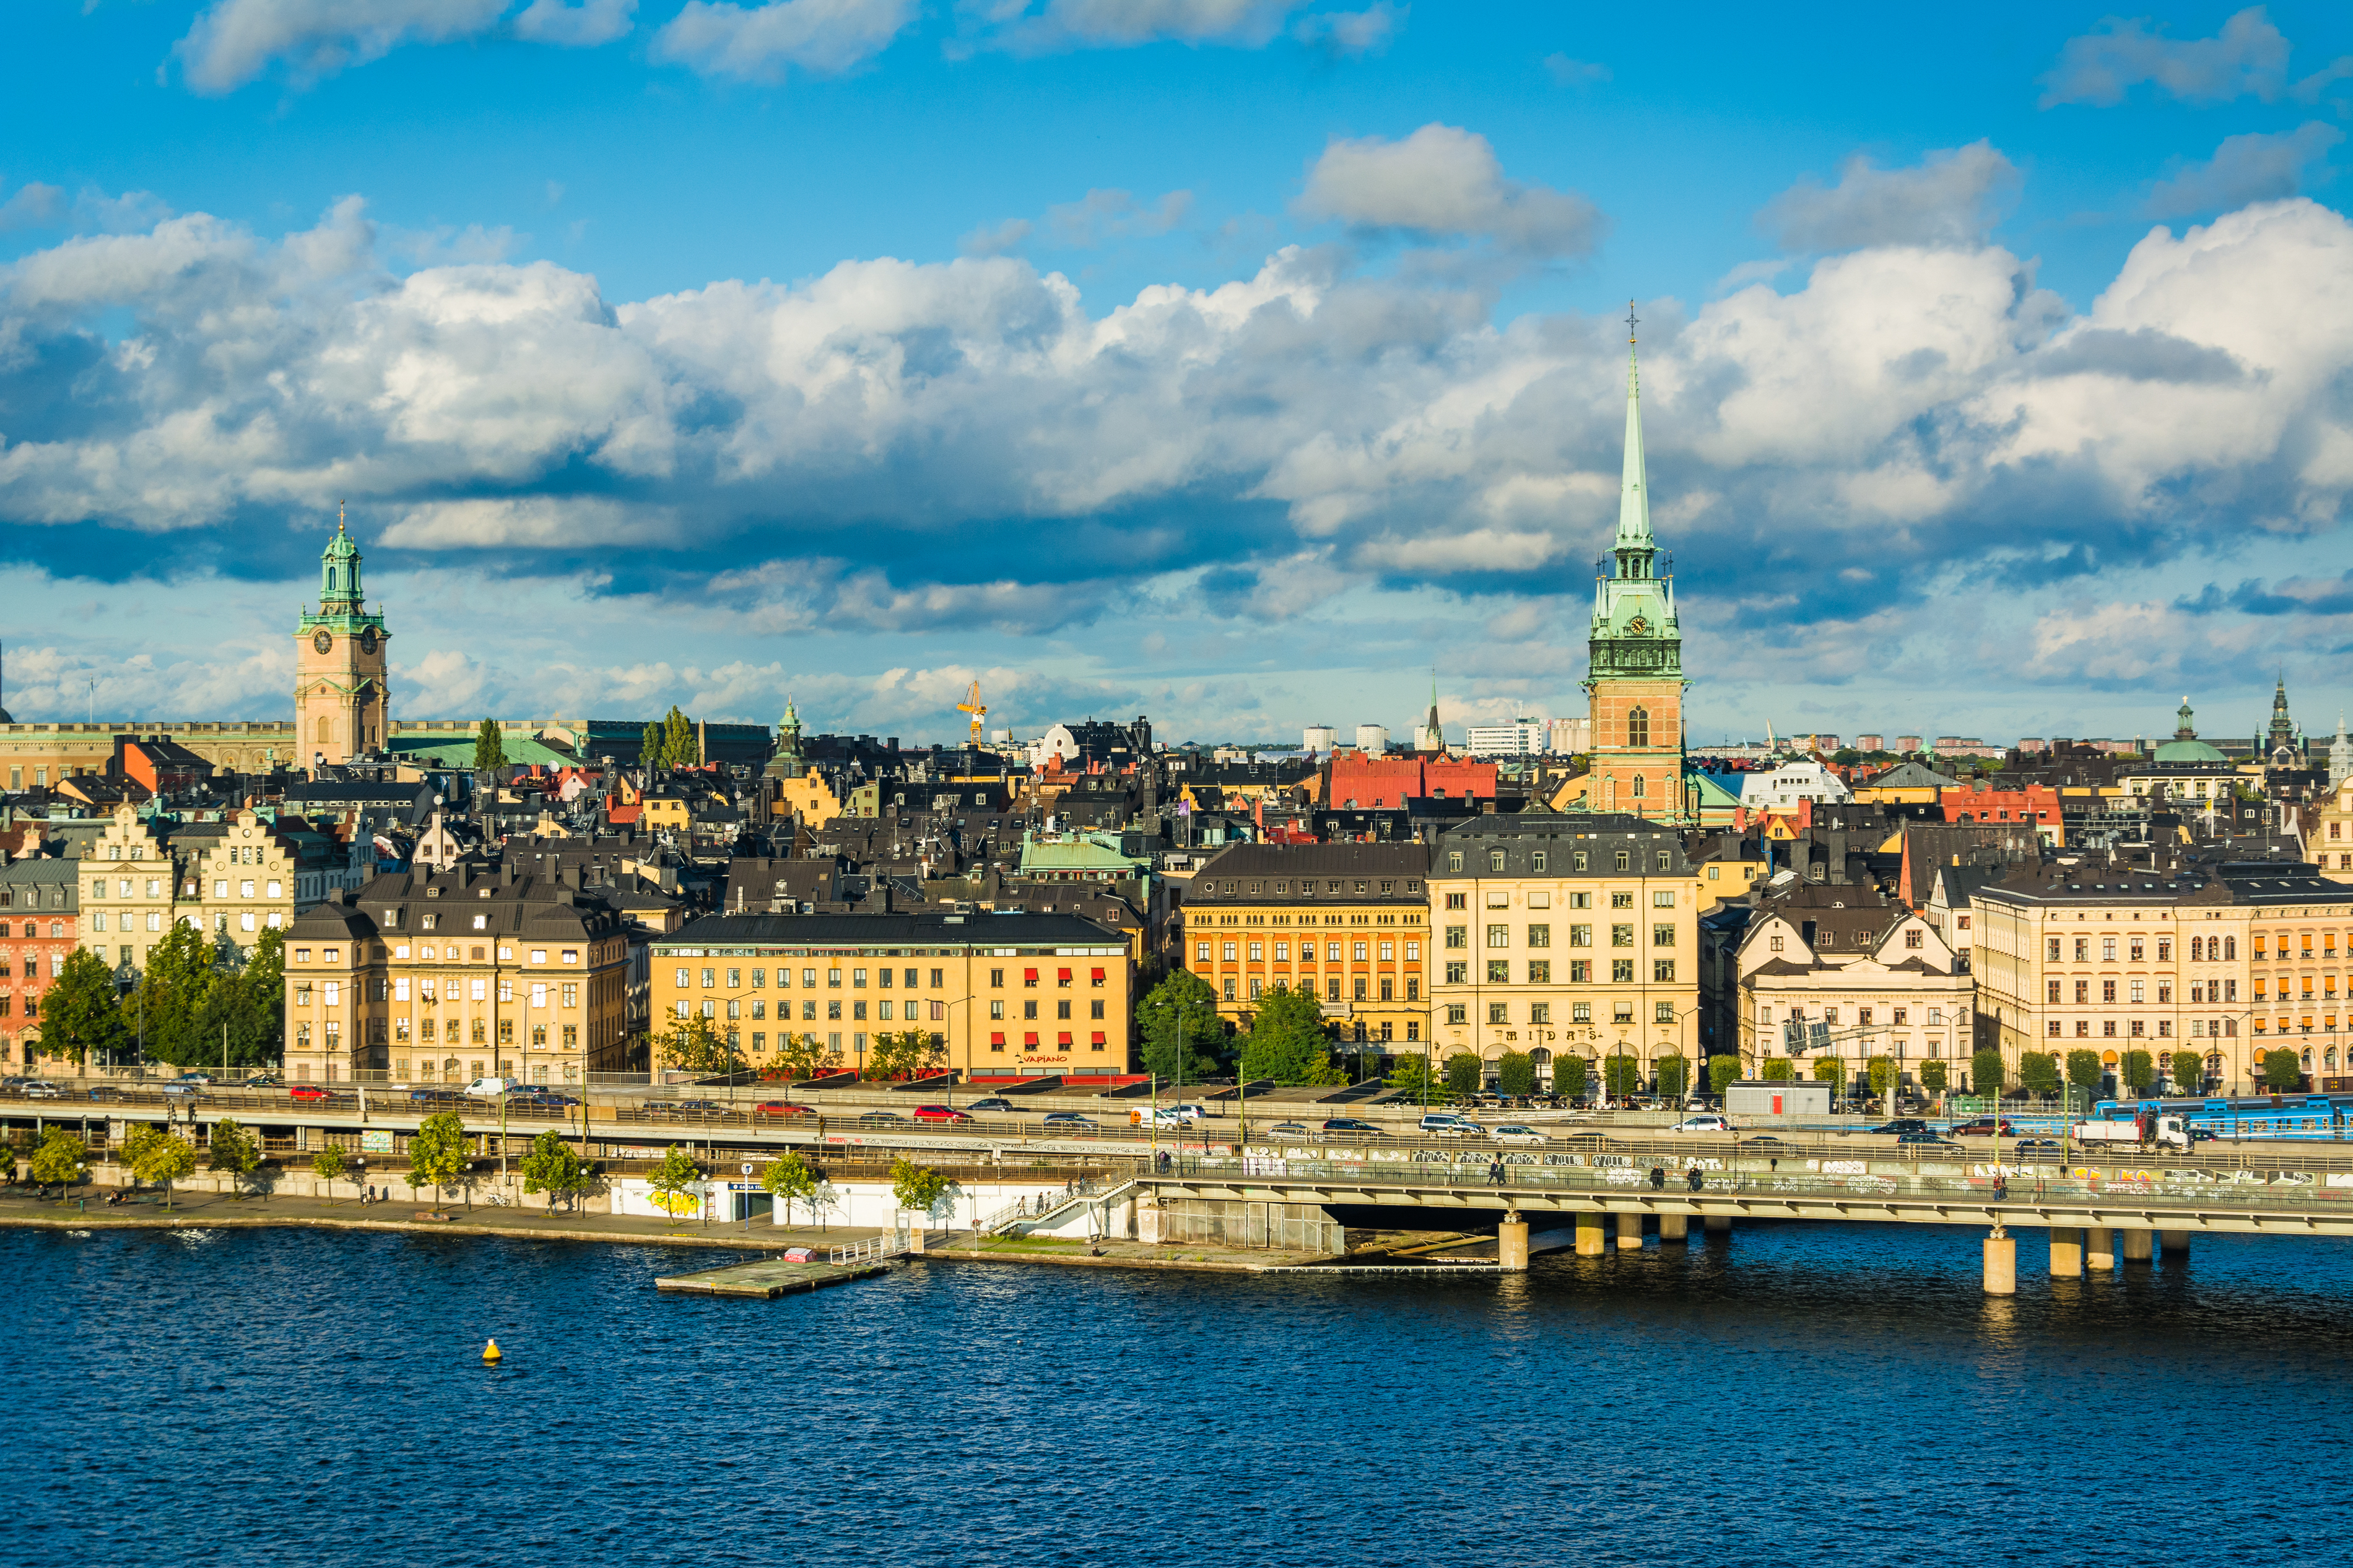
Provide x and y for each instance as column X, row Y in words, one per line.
column 1801, row 1393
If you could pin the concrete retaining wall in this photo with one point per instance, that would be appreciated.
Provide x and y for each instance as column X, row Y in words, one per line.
column 1233, row 1222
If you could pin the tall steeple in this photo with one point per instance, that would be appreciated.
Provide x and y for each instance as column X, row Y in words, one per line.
column 1634, row 547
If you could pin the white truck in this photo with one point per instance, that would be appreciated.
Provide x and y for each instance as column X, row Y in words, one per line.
column 2165, row 1131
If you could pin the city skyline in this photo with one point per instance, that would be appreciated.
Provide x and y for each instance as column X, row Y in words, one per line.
column 1993, row 400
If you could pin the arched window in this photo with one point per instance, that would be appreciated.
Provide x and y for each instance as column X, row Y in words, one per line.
column 330, row 579
column 2230, row 947
column 1638, row 786
column 2197, row 950
column 326, row 729
column 1637, row 727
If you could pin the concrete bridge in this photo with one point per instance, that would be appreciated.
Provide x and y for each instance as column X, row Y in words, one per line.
column 2094, row 1217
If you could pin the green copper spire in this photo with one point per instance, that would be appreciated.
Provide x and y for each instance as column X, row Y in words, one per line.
column 1633, row 494
column 338, row 571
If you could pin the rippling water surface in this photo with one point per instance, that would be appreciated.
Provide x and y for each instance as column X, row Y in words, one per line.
column 1800, row 1394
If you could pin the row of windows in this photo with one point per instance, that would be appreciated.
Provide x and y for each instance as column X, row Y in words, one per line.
column 453, row 954
column 2138, row 948
column 1360, row 952
column 1540, row 1012
column 1333, row 888
column 2328, row 939
column 1621, row 935
column 2109, row 1031
column 2328, row 987
column 2136, row 991
column 1363, row 991
column 683, row 977
column 33, row 929
column 1541, row 898
column 1580, row 971
column 1900, row 1017
column 1579, row 860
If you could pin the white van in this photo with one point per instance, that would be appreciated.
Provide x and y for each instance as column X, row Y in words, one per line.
column 492, row 1087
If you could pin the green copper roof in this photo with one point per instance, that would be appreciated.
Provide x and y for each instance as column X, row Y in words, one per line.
column 1634, row 628
column 1633, row 493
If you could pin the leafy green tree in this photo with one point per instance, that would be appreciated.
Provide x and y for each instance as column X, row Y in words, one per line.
column 1462, row 1073
column 2037, row 1073
column 81, row 1012
column 803, row 1057
column 437, row 1155
column 1673, row 1075
column 328, row 1165
column 1987, row 1072
column 904, row 1054
column 58, row 1161
column 490, row 747
column 1182, row 1035
column 141, row 1137
column 249, row 1006
column 917, row 1187
column 2138, row 1070
column 1722, row 1073
column 649, row 745
column 1935, row 1076
column 553, row 1167
column 1287, row 1042
column 2283, row 1071
column 1884, row 1074
column 1412, row 1075
column 2189, row 1072
column 695, row 1045
column 234, row 1149
column 787, row 1178
column 1515, row 1074
column 2084, row 1071
column 677, row 1184
column 166, row 1158
column 1621, row 1075
column 680, row 748
column 1568, row 1075
column 1831, row 1071
column 1777, row 1070
column 170, row 999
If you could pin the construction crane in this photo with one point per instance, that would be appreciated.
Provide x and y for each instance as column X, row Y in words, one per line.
column 973, row 705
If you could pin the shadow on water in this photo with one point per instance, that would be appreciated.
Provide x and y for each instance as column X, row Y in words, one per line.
column 1793, row 1393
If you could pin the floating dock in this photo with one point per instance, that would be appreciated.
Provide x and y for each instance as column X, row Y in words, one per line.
column 767, row 1277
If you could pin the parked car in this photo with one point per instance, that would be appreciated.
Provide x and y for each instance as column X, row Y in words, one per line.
column 1983, row 1127
column 883, row 1118
column 1444, row 1124
column 1709, row 1123
column 1288, row 1130
column 1070, row 1120
column 994, row 1102
column 1900, row 1125
column 1516, row 1134
column 106, row 1091
column 308, row 1093
column 1352, row 1124
column 41, row 1089
column 1926, row 1140
column 2038, row 1145
column 781, row 1108
column 948, row 1114
column 263, row 1080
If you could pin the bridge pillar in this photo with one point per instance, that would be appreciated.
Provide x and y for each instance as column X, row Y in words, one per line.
column 1719, row 1225
column 2138, row 1245
column 2066, row 1253
column 1674, row 1227
column 1512, row 1245
column 2100, row 1247
column 1630, row 1229
column 2001, row 1265
column 2176, row 1243
column 1588, row 1235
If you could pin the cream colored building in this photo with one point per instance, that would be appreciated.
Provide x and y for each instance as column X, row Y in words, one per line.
column 236, row 878
column 343, row 694
column 1562, row 935
column 131, row 889
column 1834, row 970
column 2332, row 834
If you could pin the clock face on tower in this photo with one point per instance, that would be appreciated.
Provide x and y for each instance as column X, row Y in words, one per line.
column 323, row 641
column 367, row 639
column 1638, row 626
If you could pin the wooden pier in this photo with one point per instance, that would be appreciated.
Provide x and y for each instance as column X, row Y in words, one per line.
column 768, row 1278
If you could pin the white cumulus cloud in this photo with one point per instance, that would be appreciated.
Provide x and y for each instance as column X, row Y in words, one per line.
column 235, row 41
column 580, row 25
column 1952, row 198
column 759, row 42
column 1444, row 181
column 2249, row 168
column 2247, row 58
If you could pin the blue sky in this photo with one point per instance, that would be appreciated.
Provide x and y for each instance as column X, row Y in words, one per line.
column 1229, row 360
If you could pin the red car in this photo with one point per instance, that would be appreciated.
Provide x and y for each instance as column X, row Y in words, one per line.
column 781, row 1108
column 305, row 1093
column 1983, row 1127
column 940, row 1113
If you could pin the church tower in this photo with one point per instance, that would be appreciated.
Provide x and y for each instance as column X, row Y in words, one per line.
column 341, row 698
column 1635, row 674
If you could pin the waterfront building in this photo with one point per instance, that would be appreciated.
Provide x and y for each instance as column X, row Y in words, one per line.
column 447, row 976
column 1837, row 970
column 1003, row 994
column 39, row 913
column 1564, row 933
column 1347, row 922
column 2228, row 960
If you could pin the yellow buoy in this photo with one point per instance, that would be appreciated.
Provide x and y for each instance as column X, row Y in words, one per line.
column 491, row 1351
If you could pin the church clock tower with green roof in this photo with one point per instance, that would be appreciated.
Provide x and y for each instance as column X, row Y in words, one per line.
column 1635, row 676
column 343, row 699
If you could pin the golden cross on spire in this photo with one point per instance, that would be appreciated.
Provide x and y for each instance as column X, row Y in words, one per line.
column 1630, row 319
column 339, row 516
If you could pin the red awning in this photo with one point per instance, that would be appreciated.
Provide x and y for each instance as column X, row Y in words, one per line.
column 1099, row 976
column 1063, row 1039
column 1030, row 975
column 996, row 1040
column 1099, row 1041
column 1029, row 1041
column 1063, row 976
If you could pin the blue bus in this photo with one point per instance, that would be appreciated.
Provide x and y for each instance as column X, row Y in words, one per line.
column 2267, row 1116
